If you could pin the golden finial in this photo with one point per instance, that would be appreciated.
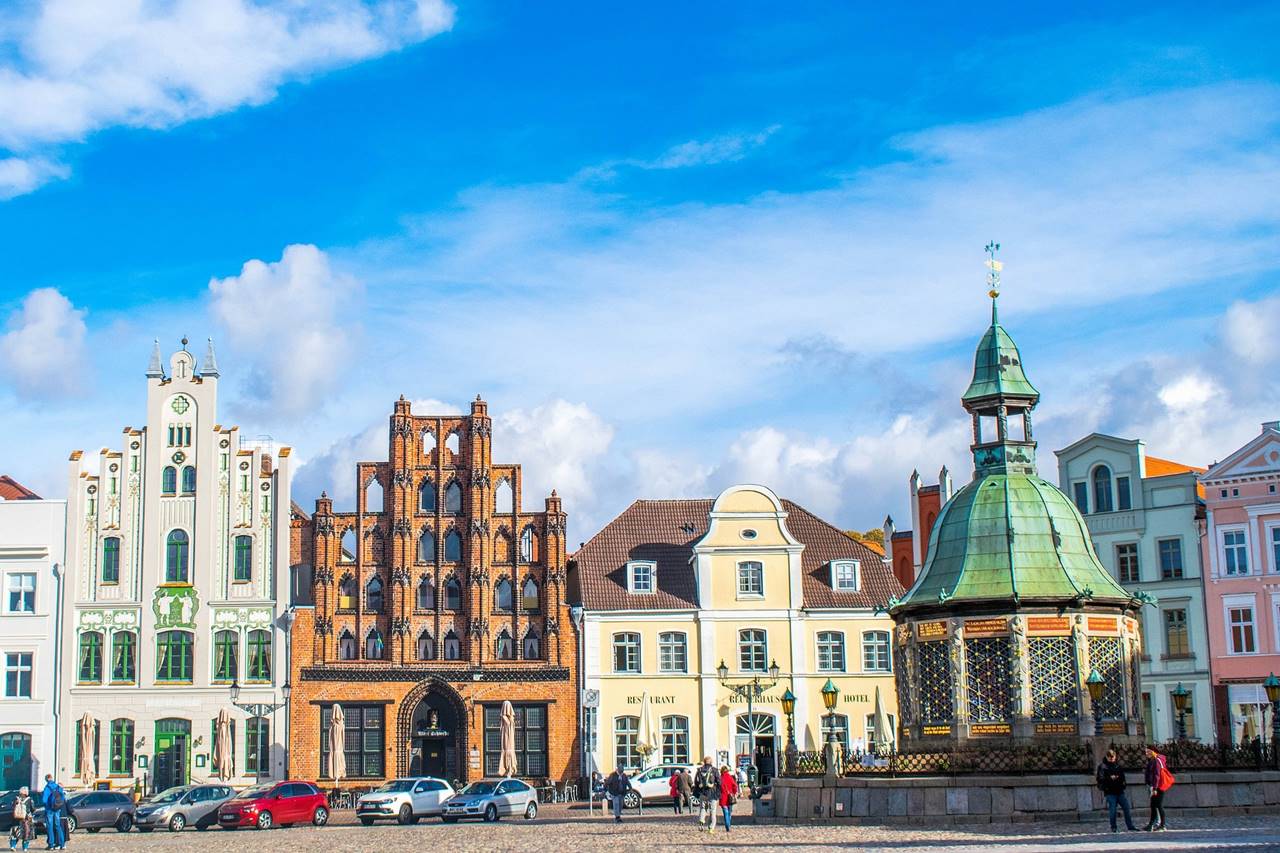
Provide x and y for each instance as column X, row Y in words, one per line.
column 993, row 269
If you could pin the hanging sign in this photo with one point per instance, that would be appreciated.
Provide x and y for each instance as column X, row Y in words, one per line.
column 1048, row 625
column 985, row 627
column 931, row 630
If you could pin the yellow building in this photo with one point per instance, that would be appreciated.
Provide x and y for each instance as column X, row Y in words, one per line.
column 671, row 589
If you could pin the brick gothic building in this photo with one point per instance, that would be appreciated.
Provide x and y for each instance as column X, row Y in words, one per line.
column 426, row 608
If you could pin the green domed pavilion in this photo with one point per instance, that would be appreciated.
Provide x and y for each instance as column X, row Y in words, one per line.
column 1012, row 610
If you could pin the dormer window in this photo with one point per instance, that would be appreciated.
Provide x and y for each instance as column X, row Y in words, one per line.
column 844, row 575
column 640, row 576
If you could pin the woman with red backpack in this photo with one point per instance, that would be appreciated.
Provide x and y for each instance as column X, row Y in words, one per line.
column 1159, row 780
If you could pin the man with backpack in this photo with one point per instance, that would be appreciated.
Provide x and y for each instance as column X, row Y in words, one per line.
column 55, row 810
column 706, row 787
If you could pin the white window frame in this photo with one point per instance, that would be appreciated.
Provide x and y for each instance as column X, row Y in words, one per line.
column 1222, row 549
column 12, row 577
column 888, row 646
column 1273, row 545
column 634, row 567
column 639, row 652
column 764, row 641
column 836, row 565
column 4, row 663
column 1230, row 602
column 682, row 644
column 749, row 593
column 844, row 651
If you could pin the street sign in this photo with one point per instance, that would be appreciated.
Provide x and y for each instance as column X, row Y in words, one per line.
column 591, row 698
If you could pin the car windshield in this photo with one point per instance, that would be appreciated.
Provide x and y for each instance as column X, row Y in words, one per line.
column 254, row 793
column 168, row 795
column 480, row 788
column 397, row 786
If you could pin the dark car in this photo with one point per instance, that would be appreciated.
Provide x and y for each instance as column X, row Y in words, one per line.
column 282, row 803
column 6, row 809
column 177, row 808
column 94, row 810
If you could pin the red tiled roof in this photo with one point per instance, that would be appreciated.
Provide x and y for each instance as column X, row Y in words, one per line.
column 12, row 490
column 664, row 531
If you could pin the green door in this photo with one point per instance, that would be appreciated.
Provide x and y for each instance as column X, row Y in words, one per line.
column 173, row 753
column 15, row 759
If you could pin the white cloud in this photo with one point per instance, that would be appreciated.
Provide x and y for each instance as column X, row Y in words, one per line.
column 76, row 66
column 19, row 176
column 291, row 321
column 42, row 351
column 1249, row 330
column 728, row 148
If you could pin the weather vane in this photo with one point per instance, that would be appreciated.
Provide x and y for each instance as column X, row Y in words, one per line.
column 993, row 269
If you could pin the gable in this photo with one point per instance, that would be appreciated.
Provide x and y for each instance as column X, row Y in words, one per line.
column 1259, row 456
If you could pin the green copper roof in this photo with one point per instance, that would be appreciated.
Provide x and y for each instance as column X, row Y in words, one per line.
column 997, row 366
column 1011, row 536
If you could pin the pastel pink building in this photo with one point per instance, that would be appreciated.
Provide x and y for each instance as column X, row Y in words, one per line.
column 1241, row 551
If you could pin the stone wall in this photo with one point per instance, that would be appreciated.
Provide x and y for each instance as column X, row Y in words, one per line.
column 942, row 800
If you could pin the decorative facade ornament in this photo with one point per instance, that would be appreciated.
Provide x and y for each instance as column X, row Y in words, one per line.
column 402, row 478
column 401, row 429
column 114, row 620
column 554, row 575
column 400, row 626
column 175, row 606
column 555, row 527
column 242, row 617
column 400, row 576
column 323, row 626
column 480, row 427
column 480, row 525
column 402, row 527
column 323, row 576
column 324, row 526
column 552, row 626
column 481, row 478
column 479, row 628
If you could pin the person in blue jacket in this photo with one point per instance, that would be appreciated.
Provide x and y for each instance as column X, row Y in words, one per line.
column 55, row 809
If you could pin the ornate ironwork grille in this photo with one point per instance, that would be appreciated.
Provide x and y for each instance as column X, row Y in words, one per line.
column 987, row 662
column 933, row 669
column 1055, row 692
column 1104, row 656
column 904, row 689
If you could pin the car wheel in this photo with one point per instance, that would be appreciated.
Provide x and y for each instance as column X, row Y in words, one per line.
column 321, row 817
column 491, row 813
column 631, row 800
column 71, row 824
column 264, row 820
column 124, row 823
column 405, row 815
column 531, row 810
column 367, row 821
column 177, row 823
column 448, row 819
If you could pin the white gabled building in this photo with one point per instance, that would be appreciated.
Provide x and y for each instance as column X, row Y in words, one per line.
column 177, row 585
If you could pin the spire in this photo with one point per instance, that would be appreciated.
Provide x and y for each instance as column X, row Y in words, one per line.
column 210, row 366
column 155, row 370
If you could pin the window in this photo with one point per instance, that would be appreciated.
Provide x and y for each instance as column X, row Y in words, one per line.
column 530, row 602
column 452, row 646
column 174, row 656
column 1102, row 489
column 259, row 656
column 844, row 575
column 502, row 550
column 1080, row 491
column 830, row 651
column 532, row 645
column 347, row 593
column 120, row 762
column 875, row 651
column 1275, row 549
column 453, row 498
column 257, row 747
column 640, row 577
column 95, row 740
column 346, row 646
column 502, row 595
column 373, row 645
column 452, row 595
column 363, row 743
column 503, row 648
column 837, row 724
column 111, row 559
column 453, row 547
column 426, row 595
column 1127, row 562
column 870, row 730
column 124, row 657
column 1123, row 499
column 22, row 592
column 90, row 658
column 528, row 546
column 530, row 736
column 427, row 547
column 1176, row 643
column 1235, row 552
column 1240, row 622
column 673, row 652
column 753, row 650
column 750, row 579
column 675, row 740
column 373, row 595
column 189, row 480
column 169, row 480
column 1170, row 558
column 226, row 653
column 626, row 652
column 427, row 497
column 176, row 557
column 426, row 646
column 242, row 562
column 17, row 675
column 626, row 736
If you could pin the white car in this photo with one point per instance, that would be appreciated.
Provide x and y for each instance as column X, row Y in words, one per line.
column 404, row 800
column 654, row 784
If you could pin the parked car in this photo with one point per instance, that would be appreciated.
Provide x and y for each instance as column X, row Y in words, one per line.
column 283, row 803
column 404, row 800
column 93, row 810
column 180, row 807
column 653, row 784
column 491, row 799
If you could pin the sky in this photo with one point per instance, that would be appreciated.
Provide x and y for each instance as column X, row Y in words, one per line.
column 675, row 246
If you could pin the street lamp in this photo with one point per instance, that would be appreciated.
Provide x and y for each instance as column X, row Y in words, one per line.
column 1096, row 685
column 1272, row 685
column 789, row 708
column 261, row 709
column 830, row 693
column 1180, row 696
column 750, row 691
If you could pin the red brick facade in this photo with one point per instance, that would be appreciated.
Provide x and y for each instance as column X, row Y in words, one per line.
column 450, row 603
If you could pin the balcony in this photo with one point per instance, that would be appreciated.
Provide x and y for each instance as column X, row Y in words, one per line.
column 1114, row 522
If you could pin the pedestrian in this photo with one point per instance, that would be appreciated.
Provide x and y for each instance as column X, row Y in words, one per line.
column 617, row 786
column 24, row 825
column 55, row 810
column 743, row 779
column 706, row 787
column 686, row 789
column 728, row 794
column 1112, row 783
column 1159, row 780
column 675, row 789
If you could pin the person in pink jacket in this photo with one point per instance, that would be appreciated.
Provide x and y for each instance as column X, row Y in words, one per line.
column 728, row 795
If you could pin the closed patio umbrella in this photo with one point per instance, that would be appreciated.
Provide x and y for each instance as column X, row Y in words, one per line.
column 507, row 731
column 882, row 731
column 88, row 751
column 223, row 749
column 337, row 744
column 644, row 740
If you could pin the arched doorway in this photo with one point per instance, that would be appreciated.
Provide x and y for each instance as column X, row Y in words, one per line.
column 15, row 759
column 756, row 736
column 433, row 732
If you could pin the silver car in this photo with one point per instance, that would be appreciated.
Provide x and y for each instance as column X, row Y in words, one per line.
column 177, row 808
column 491, row 799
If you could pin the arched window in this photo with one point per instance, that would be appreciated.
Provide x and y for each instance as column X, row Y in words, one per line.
column 529, row 601
column 502, row 595
column 452, row 646
column 175, row 656
column 503, row 648
column 176, row 557
column 1102, row 489
column 427, row 496
column 426, row 646
column 226, row 656
column 243, row 558
column 111, row 559
column 428, row 441
column 427, row 547
column 452, row 595
column 346, row 646
column 90, row 658
column 453, row 547
column 532, row 645
column 373, row 501
column 502, row 551
column 373, row 595
column 528, row 546
column 124, row 657
column 347, row 593
column 426, row 594
column 348, row 546
column 453, row 442
column 626, row 737
column 259, row 656
column 504, row 498
column 169, row 480
column 453, row 498
column 373, row 645
column 189, row 480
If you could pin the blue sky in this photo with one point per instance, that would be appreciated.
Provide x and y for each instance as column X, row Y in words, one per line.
column 675, row 245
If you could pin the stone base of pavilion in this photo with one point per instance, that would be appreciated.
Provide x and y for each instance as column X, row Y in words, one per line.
column 1010, row 799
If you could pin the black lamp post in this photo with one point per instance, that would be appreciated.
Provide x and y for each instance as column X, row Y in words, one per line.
column 1272, row 686
column 261, row 709
column 1180, row 696
column 750, row 691
column 789, row 708
column 1096, row 685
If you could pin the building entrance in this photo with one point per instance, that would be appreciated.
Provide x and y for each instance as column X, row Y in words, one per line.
column 15, row 759
column 173, row 754
column 756, row 737
column 435, row 733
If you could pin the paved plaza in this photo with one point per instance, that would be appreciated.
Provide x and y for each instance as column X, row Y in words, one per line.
column 561, row 830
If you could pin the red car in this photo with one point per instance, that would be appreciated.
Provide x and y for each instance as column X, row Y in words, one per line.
column 283, row 803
